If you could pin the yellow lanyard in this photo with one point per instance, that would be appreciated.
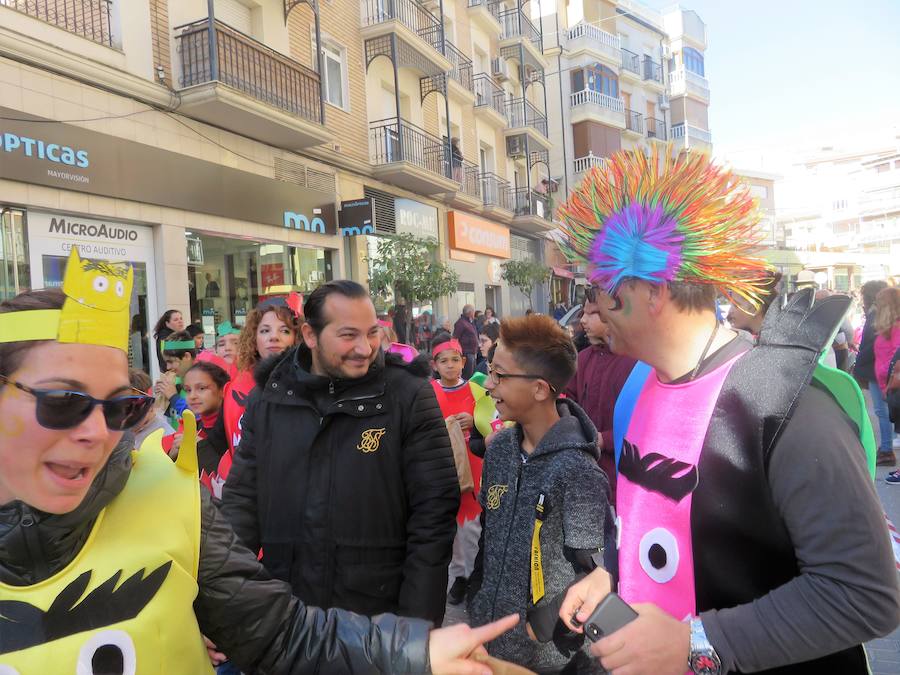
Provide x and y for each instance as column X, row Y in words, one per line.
column 537, row 568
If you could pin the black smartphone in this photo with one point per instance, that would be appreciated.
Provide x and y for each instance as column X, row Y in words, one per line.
column 610, row 615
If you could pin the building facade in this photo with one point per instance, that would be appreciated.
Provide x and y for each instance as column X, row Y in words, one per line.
column 198, row 140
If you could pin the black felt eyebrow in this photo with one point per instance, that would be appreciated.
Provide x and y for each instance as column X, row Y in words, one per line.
column 669, row 477
column 22, row 625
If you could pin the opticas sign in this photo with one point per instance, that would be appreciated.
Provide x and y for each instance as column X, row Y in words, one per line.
column 39, row 149
column 468, row 233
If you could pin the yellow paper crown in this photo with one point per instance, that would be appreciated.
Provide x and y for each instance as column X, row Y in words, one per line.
column 96, row 310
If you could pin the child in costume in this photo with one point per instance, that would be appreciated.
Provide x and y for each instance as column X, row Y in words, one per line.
column 544, row 498
column 154, row 419
column 204, row 385
column 113, row 560
column 457, row 401
column 227, row 337
column 179, row 352
column 727, row 453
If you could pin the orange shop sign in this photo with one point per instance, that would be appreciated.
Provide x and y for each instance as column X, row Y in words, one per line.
column 469, row 233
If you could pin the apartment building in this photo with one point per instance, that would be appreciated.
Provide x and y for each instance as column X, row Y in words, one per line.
column 197, row 139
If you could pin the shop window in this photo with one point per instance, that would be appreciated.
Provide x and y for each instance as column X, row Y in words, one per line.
column 15, row 276
column 693, row 61
column 235, row 275
column 465, row 294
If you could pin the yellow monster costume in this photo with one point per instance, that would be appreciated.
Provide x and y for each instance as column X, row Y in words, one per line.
column 123, row 606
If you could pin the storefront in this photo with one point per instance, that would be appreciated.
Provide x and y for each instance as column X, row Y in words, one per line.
column 206, row 239
column 478, row 249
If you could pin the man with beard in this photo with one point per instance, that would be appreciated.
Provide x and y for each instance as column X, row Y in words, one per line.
column 344, row 476
column 597, row 382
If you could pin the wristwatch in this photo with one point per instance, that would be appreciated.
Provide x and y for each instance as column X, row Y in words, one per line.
column 703, row 659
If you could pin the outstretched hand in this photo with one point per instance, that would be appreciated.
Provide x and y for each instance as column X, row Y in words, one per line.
column 583, row 597
column 451, row 649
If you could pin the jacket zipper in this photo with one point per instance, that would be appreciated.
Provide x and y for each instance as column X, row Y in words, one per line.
column 35, row 550
column 508, row 533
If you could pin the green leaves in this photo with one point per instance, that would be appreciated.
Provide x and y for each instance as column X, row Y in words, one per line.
column 409, row 268
column 525, row 275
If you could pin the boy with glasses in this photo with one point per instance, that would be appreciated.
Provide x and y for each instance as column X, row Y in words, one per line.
column 544, row 498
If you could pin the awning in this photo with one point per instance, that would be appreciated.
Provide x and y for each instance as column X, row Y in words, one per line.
column 563, row 272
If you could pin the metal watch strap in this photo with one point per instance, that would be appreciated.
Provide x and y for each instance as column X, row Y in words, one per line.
column 702, row 659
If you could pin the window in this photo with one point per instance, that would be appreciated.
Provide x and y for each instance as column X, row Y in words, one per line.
column 759, row 191
column 602, row 79
column 693, row 61
column 333, row 58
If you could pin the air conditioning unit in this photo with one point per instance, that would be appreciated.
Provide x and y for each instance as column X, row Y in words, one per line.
column 515, row 147
column 664, row 102
column 500, row 69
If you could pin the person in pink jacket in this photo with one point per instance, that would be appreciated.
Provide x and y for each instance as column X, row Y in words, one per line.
column 887, row 340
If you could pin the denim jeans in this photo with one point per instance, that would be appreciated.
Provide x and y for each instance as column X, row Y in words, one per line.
column 228, row 668
column 885, row 427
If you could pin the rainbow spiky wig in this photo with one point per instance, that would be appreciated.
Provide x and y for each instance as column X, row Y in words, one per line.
column 665, row 218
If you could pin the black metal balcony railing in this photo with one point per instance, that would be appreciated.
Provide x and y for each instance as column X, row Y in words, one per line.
column 652, row 70
column 530, row 203
column 411, row 14
column 631, row 61
column 248, row 66
column 634, row 121
column 514, row 23
column 88, row 18
column 493, row 6
column 396, row 140
column 461, row 71
column 466, row 173
column 495, row 191
column 521, row 113
column 489, row 93
column 656, row 128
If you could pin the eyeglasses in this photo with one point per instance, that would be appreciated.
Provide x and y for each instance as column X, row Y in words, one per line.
column 497, row 377
column 590, row 295
column 60, row 409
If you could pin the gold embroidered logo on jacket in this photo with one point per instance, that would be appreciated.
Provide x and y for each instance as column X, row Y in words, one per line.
column 370, row 440
column 495, row 492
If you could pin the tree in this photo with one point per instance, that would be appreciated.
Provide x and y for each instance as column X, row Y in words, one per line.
column 408, row 267
column 525, row 275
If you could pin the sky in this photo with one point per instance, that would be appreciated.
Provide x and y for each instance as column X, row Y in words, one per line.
column 798, row 73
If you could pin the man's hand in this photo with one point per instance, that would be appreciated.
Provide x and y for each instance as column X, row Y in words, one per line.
column 216, row 657
column 451, row 649
column 653, row 644
column 176, row 446
column 583, row 597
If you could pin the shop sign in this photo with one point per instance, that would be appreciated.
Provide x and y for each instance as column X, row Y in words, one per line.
column 94, row 238
column 69, row 157
column 356, row 218
column 415, row 218
column 469, row 233
column 272, row 274
column 194, row 250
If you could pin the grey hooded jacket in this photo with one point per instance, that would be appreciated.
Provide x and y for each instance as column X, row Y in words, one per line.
column 564, row 469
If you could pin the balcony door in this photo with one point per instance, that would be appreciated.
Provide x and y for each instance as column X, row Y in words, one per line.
column 236, row 14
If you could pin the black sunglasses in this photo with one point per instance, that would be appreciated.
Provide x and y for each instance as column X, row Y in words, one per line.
column 60, row 409
column 590, row 295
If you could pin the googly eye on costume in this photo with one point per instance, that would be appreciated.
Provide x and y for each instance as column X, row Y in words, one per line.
column 120, row 289
column 109, row 652
column 8, row 670
column 101, row 284
column 659, row 555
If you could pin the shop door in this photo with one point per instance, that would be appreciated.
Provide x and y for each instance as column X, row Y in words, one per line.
column 51, row 237
column 15, row 276
column 492, row 299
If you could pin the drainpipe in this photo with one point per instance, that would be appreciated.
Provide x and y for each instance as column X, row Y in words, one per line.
column 320, row 59
column 396, row 95
column 446, row 93
column 562, row 121
column 213, row 46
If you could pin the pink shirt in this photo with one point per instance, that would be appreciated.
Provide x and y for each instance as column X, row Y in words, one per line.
column 885, row 348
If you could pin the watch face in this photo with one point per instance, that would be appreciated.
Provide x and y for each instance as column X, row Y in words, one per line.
column 705, row 664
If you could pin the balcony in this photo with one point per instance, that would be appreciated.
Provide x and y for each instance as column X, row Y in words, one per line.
column 526, row 118
column 248, row 88
column 467, row 176
column 592, row 106
column 413, row 24
column 496, row 197
column 692, row 137
column 515, row 29
column 585, row 38
column 631, row 65
column 652, row 71
column 89, row 19
column 582, row 165
column 683, row 82
column 634, row 123
column 531, row 211
column 489, row 100
column 486, row 14
column 460, row 83
column 656, row 129
column 410, row 157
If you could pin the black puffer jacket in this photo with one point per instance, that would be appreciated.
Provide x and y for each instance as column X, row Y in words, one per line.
column 250, row 616
column 348, row 486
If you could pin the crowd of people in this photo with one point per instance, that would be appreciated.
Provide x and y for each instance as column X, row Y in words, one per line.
column 716, row 476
